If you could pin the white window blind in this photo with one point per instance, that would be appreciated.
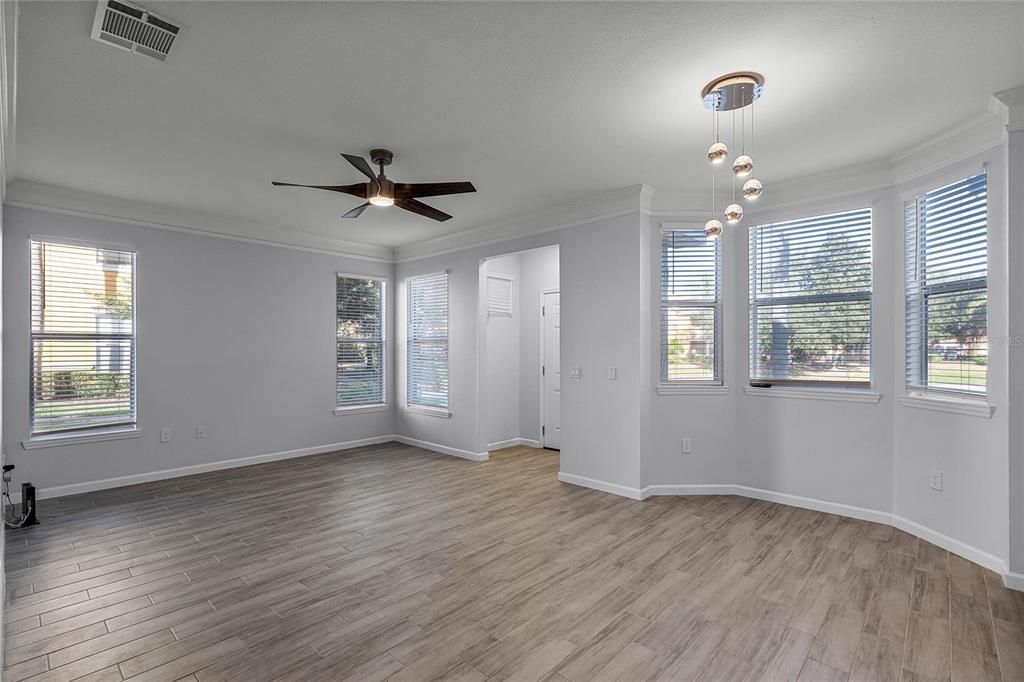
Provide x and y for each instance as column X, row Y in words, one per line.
column 947, row 287
column 810, row 301
column 499, row 296
column 360, row 341
column 427, row 356
column 691, row 307
column 83, row 338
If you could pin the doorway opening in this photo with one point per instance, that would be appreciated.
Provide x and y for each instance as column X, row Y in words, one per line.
column 520, row 334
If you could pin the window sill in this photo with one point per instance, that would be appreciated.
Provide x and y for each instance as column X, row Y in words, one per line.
column 79, row 438
column 845, row 395
column 359, row 409
column 428, row 411
column 692, row 389
column 948, row 404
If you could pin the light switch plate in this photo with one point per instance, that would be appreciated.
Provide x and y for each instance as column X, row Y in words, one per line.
column 575, row 372
column 613, row 373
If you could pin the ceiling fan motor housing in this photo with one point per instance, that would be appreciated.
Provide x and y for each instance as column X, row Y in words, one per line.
column 381, row 156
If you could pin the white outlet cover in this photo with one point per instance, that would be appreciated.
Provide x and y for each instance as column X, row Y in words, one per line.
column 935, row 480
column 165, row 435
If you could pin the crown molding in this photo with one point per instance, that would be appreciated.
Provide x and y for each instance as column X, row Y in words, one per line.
column 968, row 139
column 45, row 197
column 52, row 198
column 646, row 196
column 1008, row 105
column 633, row 199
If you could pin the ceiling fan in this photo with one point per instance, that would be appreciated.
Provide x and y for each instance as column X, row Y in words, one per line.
column 380, row 191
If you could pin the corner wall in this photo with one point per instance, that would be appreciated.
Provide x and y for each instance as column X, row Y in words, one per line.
column 234, row 336
column 971, row 452
column 599, row 265
column 867, row 459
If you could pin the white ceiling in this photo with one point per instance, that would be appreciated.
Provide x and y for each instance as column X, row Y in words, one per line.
column 537, row 104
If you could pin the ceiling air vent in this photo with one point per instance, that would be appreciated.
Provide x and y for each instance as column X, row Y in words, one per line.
column 136, row 29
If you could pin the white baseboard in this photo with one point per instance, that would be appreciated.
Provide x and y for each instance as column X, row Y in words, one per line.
column 989, row 561
column 603, row 486
column 814, row 504
column 980, row 557
column 443, row 449
column 162, row 474
column 1014, row 581
column 688, row 489
column 512, row 442
column 770, row 496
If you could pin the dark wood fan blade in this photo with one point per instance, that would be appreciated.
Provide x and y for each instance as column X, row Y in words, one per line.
column 357, row 211
column 432, row 189
column 422, row 209
column 357, row 190
column 361, row 165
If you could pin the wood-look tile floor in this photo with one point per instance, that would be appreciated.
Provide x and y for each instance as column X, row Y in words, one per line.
column 390, row 562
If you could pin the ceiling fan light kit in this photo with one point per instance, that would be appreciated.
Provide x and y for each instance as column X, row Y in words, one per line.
column 381, row 191
column 732, row 92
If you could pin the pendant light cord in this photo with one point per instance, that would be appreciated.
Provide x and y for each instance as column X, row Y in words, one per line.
column 743, row 130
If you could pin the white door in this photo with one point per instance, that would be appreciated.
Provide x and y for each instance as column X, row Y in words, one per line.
column 551, row 369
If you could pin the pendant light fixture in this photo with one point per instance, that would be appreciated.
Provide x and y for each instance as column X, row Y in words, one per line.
column 733, row 92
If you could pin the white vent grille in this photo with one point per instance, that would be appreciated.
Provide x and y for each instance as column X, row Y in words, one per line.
column 499, row 296
column 135, row 29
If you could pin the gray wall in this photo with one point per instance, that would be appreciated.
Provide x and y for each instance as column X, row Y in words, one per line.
column 538, row 270
column 235, row 336
column 601, row 318
column 501, row 397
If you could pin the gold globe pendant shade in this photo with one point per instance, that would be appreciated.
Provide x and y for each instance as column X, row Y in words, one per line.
column 752, row 189
column 713, row 228
column 733, row 213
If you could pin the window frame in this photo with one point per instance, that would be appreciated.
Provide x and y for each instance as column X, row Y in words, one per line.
column 99, row 432
column 668, row 386
column 858, row 391
column 382, row 406
column 919, row 393
column 409, row 406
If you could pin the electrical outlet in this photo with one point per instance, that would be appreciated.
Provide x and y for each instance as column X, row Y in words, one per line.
column 613, row 373
column 935, row 480
column 687, row 446
column 165, row 435
column 200, row 432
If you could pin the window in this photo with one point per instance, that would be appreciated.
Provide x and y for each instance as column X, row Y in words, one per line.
column 83, row 339
column 360, row 341
column 427, row 360
column 947, row 288
column 810, row 301
column 691, row 307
